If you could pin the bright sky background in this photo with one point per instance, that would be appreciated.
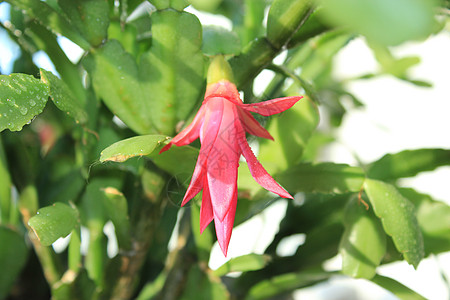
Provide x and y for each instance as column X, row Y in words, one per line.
column 396, row 116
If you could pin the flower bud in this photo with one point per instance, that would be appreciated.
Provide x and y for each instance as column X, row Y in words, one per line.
column 219, row 69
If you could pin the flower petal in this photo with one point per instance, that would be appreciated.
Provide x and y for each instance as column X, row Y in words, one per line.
column 251, row 125
column 271, row 107
column 206, row 211
column 189, row 134
column 223, row 158
column 225, row 227
column 258, row 172
column 211, row 116
column 196, row 184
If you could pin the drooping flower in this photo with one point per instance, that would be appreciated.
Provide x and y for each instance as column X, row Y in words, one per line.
column 221, row 123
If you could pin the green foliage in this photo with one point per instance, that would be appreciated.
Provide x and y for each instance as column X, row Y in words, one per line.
column 217, row 40
column 291, row 133
column 135, row 146
column 116, row 80
column 53, row 222
column 322, row 178
column 397, row 215
column 398, row 289
column 386, row 22
column 117, row 208
column 13, row 256
column 89, row 17
column 22, row 98
column 5, row 187
column 243, row 263
column 90, row 156
column 173, row 68
column 363, row 243
column 63, row 98
column 284, row 18
column 284, row 283
column 408, row 163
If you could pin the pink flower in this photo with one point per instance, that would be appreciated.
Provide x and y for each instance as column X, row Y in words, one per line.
column 221, row 124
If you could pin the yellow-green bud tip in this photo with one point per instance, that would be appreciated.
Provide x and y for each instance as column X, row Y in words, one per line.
column 219, row 69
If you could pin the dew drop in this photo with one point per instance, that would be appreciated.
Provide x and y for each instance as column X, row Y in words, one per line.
column 23, row 110
column 32, row 103
column 11, row 102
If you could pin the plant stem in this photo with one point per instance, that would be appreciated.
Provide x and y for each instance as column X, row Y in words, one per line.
column 178, row 262
column 51, row 266
column 146, row 220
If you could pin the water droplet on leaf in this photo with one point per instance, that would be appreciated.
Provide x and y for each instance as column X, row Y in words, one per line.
column 11, row 102
column 23, row 110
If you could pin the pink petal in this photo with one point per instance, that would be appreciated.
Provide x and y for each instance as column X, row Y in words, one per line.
column 206, row 211
column 251, row 125
column 271, row 107
column 197, row 180
column 196, row 184
column 189, row 134
column 259, row 173
column 225, row 227
column 223, row 159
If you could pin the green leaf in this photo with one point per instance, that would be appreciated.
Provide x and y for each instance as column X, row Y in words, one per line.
column 175, row 4
column 284, row 283
column 245, row 263
column 127, row 34
column 151, row 289
column 285, row 16
column 298, row 82
column 398, row 217
column 255, row 56
column 203, row 241
column 74, row 256
column 52, row 222
column 408, row 163
column 316, row 56
column 434, row 221
column 218, row 40
column 313, row 26
column 117, row 208
column 94, row 216
column 363, row 243
column 63, row 97
column 398, row 289
column 250, row 25
column 291, row 132
column 5, row 187
column 90, row 17
column 173, row 69
column 13, row 256
column 52, row 19
column 178, row 161
column 384, row 21
column 79, row 286
column 392, row 65
column 115, row 79
column 131, row 147
column 22, row 97
column 203, row 286
column 420, row 83
column 323, row 178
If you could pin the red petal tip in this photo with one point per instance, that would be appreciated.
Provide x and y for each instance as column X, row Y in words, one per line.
column 165, row 148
